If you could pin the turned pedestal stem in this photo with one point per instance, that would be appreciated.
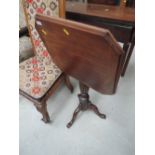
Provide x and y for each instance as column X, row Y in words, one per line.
column 84, row 104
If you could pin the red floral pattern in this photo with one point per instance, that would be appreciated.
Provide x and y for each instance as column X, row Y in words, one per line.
column 45, row 53
column 40, row 10
column 35, row 78
column 29, row 1
column 46, row 7
column 36, row 81
column 36, row 90
column 36, row 42
column 39, row 73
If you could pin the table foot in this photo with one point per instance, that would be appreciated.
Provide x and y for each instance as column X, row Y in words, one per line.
column 95, row 109
column 77, row 110
column 84, row 104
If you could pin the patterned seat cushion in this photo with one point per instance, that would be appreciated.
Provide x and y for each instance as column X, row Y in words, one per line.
column 36, row 76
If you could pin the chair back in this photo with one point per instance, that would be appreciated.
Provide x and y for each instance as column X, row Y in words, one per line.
column 46, row 7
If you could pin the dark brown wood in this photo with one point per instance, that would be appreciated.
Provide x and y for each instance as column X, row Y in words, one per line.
column 40, row 103
column 124, row 14
column 108, row 2
column 96, row 55
column 130, row 3
column 119, row 20
column 68, row 83
column 87, row 53
column 128, row 55
column 42, row 108
column 122, row 3
column 84, row 104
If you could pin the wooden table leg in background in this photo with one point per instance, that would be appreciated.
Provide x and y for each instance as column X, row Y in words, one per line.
column 125, row 49
column 84, row 104
column 23, row 31
column 129, row 53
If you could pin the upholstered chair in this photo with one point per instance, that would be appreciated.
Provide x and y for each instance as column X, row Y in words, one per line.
column 39, row 76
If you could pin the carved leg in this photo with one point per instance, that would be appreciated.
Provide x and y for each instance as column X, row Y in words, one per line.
column 68, row 83
column 42, row 108
column 84, row 104
column 95, row 109
column 77, row 110
column 128, row 57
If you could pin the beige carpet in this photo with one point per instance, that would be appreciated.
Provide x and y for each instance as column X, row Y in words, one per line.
column 89, row 135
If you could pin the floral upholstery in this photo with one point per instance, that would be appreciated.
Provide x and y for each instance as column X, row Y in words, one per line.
column 46, row 7
column 37, row 76
column 39, row 73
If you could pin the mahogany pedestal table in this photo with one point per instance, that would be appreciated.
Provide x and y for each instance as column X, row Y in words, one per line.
column 87, row 53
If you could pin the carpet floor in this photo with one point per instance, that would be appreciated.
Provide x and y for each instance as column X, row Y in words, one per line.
column 89, row 135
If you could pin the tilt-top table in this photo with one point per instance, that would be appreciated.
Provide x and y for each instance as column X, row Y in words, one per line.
column 87, row 53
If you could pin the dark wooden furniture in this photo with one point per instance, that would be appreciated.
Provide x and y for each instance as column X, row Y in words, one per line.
column 108, row 2
column 95, row 60
column 130, row 3
column 34, row 67
column 119, row 20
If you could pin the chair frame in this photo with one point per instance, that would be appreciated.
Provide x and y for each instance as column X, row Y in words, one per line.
column 40, row 103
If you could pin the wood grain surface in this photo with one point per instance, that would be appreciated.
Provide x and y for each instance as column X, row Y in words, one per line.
column 87, row 53
column 108, row 2
column 105, row 11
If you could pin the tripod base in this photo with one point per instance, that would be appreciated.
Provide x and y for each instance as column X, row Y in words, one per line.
column 85, row 104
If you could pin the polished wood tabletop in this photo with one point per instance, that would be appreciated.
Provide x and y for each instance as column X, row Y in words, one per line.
column 87, row 53
column 119, row 20
column 105, row 11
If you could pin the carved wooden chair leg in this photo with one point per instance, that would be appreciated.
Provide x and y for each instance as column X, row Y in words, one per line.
column 42, row 108
column 128, row 55
column 68, row 83
column 77, row 110
column 95, row 109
